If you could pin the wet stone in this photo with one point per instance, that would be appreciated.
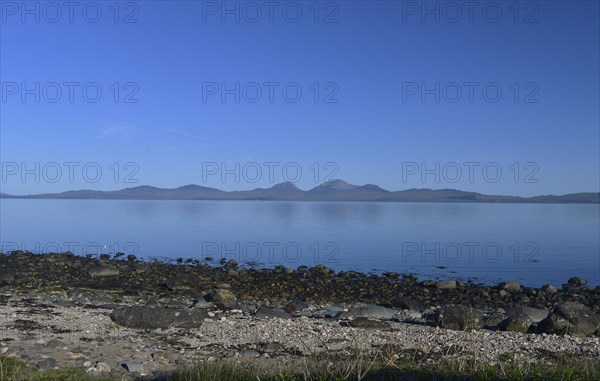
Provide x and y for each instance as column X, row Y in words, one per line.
column 577, row 281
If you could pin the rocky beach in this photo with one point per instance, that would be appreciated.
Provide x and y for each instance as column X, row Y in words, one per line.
column 137, row 319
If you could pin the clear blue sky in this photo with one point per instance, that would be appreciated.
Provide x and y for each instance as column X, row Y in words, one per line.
column 372, row 57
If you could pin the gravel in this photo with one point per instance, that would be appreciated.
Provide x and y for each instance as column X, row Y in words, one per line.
column 86, row 336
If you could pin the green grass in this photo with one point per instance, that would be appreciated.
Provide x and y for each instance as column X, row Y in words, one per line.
column 391, row 365
column 12, row 369
column 67, row 374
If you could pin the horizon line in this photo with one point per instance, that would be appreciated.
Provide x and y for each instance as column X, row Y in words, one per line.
column 354, row 186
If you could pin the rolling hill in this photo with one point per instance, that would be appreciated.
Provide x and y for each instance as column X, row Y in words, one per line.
column 333, row 190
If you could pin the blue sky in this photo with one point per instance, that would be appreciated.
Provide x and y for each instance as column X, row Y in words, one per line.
column 376, row 66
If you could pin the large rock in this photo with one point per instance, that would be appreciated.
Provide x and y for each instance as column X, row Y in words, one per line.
column 372, row 311
column 493, row 319
column 459, row 318
column 535, row 314
column 516, row 323
column 571, row 318
column 145, row 317
column 577, row 281
column 102, row 271
column 272, row 313
column 224, row 298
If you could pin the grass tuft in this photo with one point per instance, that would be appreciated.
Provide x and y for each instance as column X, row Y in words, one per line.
column 384, row 364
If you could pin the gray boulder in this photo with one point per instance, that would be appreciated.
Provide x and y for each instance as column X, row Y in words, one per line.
column 493, row 319
column 272, row 313
column 571, row 318
column 535, row 314
column 516, row 323
column 224, row 298
column 459, row 318
column 145, row 317
column 577, row 281
column 371, row 311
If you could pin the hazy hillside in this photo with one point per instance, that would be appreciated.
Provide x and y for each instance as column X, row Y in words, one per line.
column 334, row 190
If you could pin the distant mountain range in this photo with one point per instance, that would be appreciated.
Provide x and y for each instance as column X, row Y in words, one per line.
column 333, row 190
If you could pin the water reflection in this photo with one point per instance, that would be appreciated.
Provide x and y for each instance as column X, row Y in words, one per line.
column 368, row 235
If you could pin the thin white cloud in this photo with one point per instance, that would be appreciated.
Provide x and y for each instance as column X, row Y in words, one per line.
column 116, row 130
column 186, row 134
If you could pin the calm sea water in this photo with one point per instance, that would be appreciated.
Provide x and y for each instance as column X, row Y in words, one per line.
column 487, row 243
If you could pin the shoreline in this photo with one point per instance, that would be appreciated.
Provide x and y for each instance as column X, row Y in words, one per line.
column 437, row 273
column 61, row 310
column 525, row 202
column 151, row 275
